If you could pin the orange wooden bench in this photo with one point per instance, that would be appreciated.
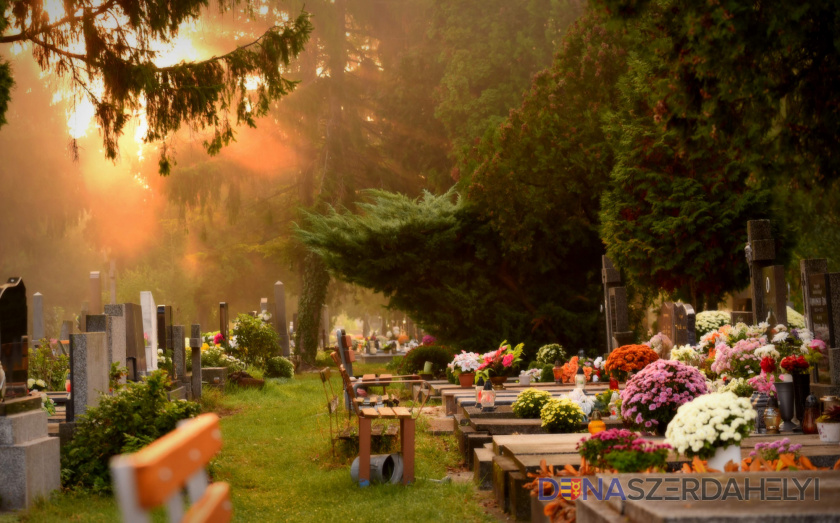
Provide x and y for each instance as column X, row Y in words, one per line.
column 368, row 414
column 158, row 474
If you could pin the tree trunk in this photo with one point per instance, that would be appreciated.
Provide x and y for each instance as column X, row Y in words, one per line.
column 315, row 282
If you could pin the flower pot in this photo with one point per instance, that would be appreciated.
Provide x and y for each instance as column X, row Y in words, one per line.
column 467, row 379
column 498, row 382
column 829, row 432
column 801, row 390
column 724, row 455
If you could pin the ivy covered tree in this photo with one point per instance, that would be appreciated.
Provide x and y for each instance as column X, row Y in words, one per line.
column 116, row 43
column 675, row 214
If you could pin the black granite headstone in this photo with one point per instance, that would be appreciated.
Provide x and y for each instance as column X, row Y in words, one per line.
column 14, row 351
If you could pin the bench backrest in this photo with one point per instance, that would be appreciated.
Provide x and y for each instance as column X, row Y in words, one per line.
column 157, row 475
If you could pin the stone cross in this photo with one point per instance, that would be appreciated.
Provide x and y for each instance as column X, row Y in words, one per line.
column 179, row 354
column 14, row 345
column 149, row 311
column 684, row 323
column 769, row 291
column 195, row 354
column 95, row 305
column 280, row 323
column 223, row 320
column 37, row 317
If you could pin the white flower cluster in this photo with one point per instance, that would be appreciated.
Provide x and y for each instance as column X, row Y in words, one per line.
column 586, row 403
column 708, row 321
column 795, row 320
column 767, row 351
column 598, row 363
column 709, row 421
column 685, row 354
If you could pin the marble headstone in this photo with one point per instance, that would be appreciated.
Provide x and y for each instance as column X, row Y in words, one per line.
column 149, row 311
column 125, row 338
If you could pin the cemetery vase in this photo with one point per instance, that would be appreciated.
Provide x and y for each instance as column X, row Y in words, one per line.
column 759, row 403
column 467, row 379
column 812, row 412
column 785, row 393
column 801, row 390
column 498, row 382
column 829, row 432
column 724, row 455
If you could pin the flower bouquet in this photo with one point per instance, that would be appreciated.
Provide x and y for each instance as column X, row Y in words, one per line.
column 652, row 397
column 795, row 364
column 569, row 369
column 623, row 451
column 710, row 421
column 529, row 403
column 501, row 362
column 629, row 358
column 739, row 360
column 463, row 366
column 561, row 415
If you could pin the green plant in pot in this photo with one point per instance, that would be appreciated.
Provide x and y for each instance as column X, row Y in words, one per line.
column 828, row 425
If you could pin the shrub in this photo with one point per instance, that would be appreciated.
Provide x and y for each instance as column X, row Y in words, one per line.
column 548, row 354
column 49, row 365
column 561, row 415
column 547, row 375
column 624, row 451
column 131, row 419
column 279, row 367
column 215, row 357
column 652, row 397
column 415, row 359
column 529, row 403
column 256, row 340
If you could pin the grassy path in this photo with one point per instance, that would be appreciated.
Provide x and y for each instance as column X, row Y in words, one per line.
column 277, row 458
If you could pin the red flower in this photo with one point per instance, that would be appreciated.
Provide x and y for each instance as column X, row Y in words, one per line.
column 768, row 365
column 795, row 364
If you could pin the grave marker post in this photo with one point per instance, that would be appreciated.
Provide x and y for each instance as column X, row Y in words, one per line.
column 280, row 322
column 195, row 354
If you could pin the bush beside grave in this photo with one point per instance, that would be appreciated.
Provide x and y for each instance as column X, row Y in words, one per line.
column 48, row 364
column 416, row 358
column 131, row 419
column 256, row 340
column 279, row 367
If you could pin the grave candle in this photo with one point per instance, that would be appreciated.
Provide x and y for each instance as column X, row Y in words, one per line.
column 488, row 396
column 479, row 386
column 580, row 379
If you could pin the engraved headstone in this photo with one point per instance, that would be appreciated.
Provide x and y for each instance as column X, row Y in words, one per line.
column 611, row 278
column 37, row 317
column 125, row 338
column 812, row 274
column 280, row 322
column 684, row 325
column 619, row 315
column 14, row 350
column 666, row 320
column 164, row 327
column 761, row 252
column 774, row 300
column 149, row 311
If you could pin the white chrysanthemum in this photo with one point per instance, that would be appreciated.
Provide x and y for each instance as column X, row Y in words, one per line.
column 767, row 351
column 710, row 421
column 780, row 337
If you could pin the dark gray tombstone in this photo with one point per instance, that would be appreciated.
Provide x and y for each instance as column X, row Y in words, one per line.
column 14, row 346
column 95, row 304
column 610, row 277
column 824, row 294
column 164, row 326
column 760, row 252
column 179, row 354
column 38, row 332
column 280, row 322
column 618, row 311
column 96, row 323
column 195, row 354
column 223, row 319
column 325, row 327
column 684, row 325
column 666, row 320
column 774, row 300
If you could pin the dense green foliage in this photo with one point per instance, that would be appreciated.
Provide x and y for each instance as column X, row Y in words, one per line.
column 48, row 364
column 256, row 340
column 136, row 415
column 279, row 367
column 415, row 360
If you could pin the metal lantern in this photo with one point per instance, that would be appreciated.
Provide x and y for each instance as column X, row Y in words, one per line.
column 488, row 397
column 580, row 379
column 479, row 387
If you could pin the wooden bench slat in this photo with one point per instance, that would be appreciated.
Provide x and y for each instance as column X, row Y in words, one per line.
column 385, row 376
column 214, row 506
column 401, row 412
column 370, row 413
column 366, row 377
column 386, row 412
column 165, row 465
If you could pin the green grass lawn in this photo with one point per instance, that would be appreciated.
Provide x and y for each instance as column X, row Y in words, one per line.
column 277, row 459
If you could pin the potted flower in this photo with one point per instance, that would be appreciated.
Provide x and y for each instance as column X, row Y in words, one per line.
column 828, row 425
column 623, row 451
column 529, row 403
column 561, row 415
column 651, row 398
column 497, row 365
column 464, row 366
column 712, row 427
column 629, row 358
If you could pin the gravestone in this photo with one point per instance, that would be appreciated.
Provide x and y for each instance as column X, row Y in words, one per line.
column 96, row 323
column 89, row 369
column 223, row 320
column 195, row 355
column 179, row 355
column 684, row 325
column 824, row 291
column 125, row 338
column 814, row 302
column 95, row 304
column 666, row 320
column 761, row 253
column 37, row 317
column 745, row 317
column 774, row 301
column 325, row 327
column 149, row 311
column 618, row 310
column 164, row 327
column 14, row 346
column 280, row 321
